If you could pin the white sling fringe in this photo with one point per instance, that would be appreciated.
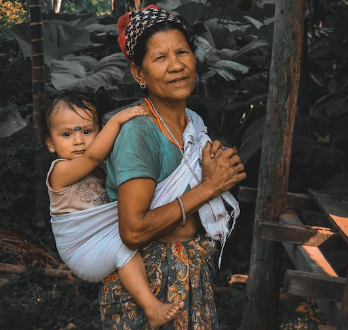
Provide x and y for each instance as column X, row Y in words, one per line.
column 88, row 241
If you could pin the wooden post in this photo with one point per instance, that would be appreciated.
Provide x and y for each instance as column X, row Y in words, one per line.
column 37, row 60
column 260, row 312
column 42, row 156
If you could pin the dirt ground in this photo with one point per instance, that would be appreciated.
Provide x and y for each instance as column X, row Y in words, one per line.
column 31, row 301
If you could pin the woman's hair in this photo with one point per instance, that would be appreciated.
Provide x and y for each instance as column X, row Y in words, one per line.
column 140, row 48
column 73, row 98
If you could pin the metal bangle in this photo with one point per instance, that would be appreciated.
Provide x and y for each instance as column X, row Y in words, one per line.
column 183, row 221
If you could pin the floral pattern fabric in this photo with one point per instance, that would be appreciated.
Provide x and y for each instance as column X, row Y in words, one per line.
column 182, row 271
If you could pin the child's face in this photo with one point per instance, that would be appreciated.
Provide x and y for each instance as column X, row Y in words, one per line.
column 71, row 133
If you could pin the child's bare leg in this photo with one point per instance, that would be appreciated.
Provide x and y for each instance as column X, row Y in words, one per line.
column 133, row 277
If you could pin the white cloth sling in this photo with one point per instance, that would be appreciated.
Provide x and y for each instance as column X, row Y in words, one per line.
column 88, row 241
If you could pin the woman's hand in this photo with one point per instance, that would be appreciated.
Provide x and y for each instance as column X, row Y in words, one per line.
column 222, row 168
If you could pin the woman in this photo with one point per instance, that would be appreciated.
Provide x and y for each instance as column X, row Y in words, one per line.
column 157, row 161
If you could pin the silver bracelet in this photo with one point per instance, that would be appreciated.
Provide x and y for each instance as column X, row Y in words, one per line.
column 183, row 221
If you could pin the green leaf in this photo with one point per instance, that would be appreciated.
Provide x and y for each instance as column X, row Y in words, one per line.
column 255, row 22
column 219, row 35
column 60, row 39
column 207, row 75
column 254, row 45
column 226, row 54
column 11, row 121
column 85, row 72
column 322, row 103
column 338, row 106
column 228, row 76
column 110, row 29
column 203, row 43
column 231, row 65
column 256, row 84
column 203, row 49
column 169, row 5
column 190, row 11
column 251, row 142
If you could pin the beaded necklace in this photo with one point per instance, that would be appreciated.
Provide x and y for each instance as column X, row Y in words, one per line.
column 172, row 137
column 160, row 121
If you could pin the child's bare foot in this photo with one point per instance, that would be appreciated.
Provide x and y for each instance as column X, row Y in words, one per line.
column 162, row 313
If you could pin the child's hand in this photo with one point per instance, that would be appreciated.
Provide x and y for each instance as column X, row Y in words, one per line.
column 129, row 113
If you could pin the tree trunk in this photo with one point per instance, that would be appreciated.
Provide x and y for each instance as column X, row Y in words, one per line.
column 57, row 7
column 38, row 64
column 261, row 310
column 38, row 85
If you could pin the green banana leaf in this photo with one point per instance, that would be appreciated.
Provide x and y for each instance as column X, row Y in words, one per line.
column 86, row 72
column 62, row 38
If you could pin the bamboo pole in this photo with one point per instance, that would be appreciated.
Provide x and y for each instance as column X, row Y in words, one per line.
column 38, row 85
column 37, row 58
column 260, row 312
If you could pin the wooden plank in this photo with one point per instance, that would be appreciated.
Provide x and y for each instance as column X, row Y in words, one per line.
column 297, row 234
column 326, row 327
column 335, row 206
column 261, row 310
column 295, row 201
column 310, row 259
column 311, row 285
column 238, row 278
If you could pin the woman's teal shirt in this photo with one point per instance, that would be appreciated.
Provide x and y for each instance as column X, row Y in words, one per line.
column 140, row 151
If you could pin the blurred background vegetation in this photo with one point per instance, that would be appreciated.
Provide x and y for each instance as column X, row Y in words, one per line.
column 233, row 41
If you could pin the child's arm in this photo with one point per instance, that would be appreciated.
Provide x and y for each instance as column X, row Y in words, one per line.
column 70, row 171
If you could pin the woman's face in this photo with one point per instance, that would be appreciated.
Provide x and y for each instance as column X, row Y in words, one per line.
column 169, row 66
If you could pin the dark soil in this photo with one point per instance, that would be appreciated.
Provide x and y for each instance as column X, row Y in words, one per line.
column 33, row 302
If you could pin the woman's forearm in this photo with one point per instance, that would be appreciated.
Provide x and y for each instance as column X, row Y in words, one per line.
column 152, row 224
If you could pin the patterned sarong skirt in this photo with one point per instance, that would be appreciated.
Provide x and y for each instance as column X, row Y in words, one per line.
column 182, row 271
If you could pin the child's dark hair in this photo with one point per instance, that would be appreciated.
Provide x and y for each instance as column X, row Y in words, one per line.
column 73, row 98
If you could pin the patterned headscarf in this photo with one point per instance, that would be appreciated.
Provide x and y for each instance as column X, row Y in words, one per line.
column 132, row 25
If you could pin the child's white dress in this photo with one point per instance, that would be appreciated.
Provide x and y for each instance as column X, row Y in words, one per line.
column 78, row 212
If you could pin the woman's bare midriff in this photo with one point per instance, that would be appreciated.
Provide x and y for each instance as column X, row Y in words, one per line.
column 180, row 233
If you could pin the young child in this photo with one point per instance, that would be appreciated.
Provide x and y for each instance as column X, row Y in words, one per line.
column 71, row 128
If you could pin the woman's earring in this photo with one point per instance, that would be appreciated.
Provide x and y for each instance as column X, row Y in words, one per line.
column 142, row 86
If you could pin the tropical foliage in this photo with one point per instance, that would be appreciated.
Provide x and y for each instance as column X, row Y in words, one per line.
column 91, row 6
column 233, row 54
column 319, row 153
column 11, row 13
